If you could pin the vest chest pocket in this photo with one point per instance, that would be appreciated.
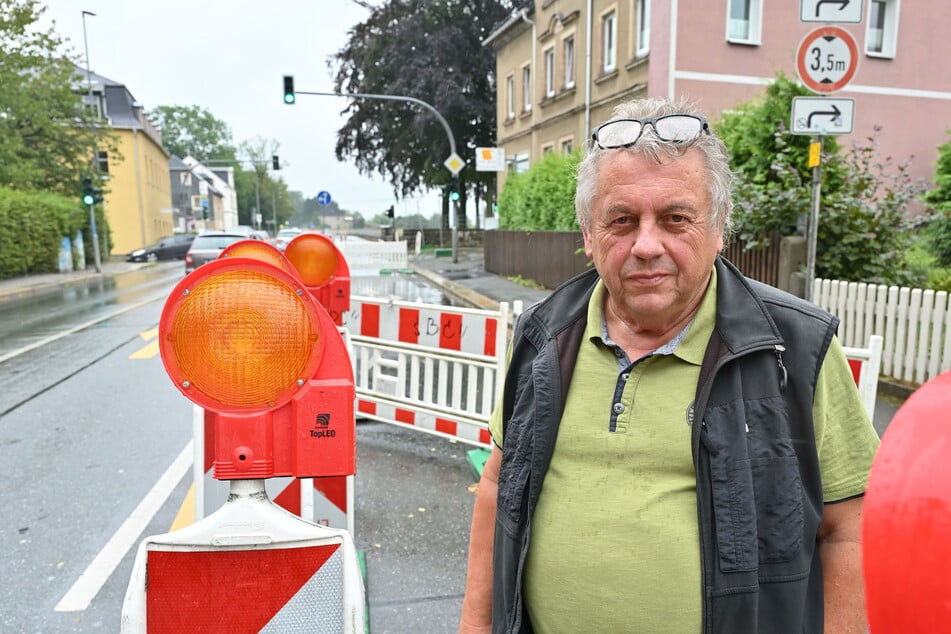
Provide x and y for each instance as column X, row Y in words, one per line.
column 756, row 484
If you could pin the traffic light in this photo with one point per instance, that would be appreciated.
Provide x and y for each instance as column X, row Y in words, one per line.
column 454, row 193
column 391, row 213
column 289, row 96
column 91, row 195
column 275, row 162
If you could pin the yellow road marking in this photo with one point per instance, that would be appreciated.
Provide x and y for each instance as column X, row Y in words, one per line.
column 186, row 512
column 150, row 349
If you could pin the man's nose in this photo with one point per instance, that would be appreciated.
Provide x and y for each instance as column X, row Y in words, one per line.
column 648, row 241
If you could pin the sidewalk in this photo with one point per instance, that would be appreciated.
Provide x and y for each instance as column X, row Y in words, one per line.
column 468, row 281
column 19, row 287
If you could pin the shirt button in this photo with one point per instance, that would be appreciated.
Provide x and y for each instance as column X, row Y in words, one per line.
column 618, row 408
column 618, row 352
column 625, row 376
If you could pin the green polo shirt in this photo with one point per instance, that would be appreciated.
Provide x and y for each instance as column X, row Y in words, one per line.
column 615, row 545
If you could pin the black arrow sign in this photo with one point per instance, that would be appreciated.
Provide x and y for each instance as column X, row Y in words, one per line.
column 842, row 4
column 835, row 113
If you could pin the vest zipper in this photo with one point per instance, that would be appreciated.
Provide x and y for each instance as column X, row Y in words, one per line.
column 779, row 350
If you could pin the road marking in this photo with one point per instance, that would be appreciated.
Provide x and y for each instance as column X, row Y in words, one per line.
column 186, row 512
column 150, row 349
column 89, row 584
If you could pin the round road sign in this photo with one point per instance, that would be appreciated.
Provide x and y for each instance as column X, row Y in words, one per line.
column 827, row 59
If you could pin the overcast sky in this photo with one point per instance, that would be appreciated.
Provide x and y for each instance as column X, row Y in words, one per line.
column 229, row 57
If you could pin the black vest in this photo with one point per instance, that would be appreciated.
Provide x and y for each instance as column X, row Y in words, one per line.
column 759, row 492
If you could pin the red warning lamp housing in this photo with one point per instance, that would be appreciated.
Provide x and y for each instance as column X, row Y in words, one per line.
column 323, row 270
column 241, row 338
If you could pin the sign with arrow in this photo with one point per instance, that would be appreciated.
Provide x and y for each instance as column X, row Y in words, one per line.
column 822, row 115
column 827, row 59
column 841, row 11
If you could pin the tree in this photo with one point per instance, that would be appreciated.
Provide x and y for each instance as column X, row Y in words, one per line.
column 863, row 232
column 194, row 131
column 430, row 50
column 255, row 188
column 47, row 136
column 939, row 197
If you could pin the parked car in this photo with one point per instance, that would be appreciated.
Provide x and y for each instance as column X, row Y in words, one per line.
column 170, row 248
column 284, row 236
column 209, row 245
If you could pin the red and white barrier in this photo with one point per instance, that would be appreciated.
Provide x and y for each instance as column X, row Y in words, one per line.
column 866, row 365
column 432, row 368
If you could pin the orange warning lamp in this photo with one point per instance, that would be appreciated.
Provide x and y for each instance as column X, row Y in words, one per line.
column 241, row 338
column 323, row 270
column 906, row 518
column 257, row 250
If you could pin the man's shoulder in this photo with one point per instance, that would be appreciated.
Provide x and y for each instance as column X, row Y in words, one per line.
column 775, row 301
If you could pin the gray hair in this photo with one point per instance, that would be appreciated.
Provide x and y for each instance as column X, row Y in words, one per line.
column 714, row 153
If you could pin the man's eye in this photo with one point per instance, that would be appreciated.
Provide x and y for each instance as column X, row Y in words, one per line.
column 677, row 219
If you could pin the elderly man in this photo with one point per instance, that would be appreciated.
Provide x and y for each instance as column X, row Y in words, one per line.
column 678, row 448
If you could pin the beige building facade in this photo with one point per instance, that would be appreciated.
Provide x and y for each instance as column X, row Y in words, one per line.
column 562, row 66
column 138, row 202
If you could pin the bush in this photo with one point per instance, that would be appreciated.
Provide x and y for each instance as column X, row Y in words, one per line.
column 543, row 198
column 32, row 226
column 939, row 239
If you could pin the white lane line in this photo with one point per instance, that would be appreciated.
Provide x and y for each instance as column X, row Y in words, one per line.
column 98, row 572
column 75, row 329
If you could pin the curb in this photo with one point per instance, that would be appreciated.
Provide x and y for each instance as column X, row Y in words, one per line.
column 471, row 298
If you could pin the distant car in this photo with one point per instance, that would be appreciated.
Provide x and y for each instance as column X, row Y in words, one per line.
column 170, row 248
column 209, row 245
column 284, row 236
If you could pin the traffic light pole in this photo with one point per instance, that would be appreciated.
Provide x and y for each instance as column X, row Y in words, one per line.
column 419, row 102
column 95, row 238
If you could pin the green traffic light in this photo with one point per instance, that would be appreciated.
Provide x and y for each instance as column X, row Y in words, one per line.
column 88, row 199
column 290, row 98
column 454, row 195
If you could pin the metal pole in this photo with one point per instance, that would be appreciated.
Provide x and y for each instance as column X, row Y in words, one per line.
column 92, row 208
column 274, row 208
column 257, row 196
column 420, row 102
column 813, row 228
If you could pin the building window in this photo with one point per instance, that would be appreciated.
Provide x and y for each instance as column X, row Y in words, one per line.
column 642, row 13
column 566, row 147
column 102, row 161
column 518, row 164
column 882, row 31
column 569, row 50
column 527, row 89
column 550, row 72
column 548, row 149
column 509, row 97
column 743, row 21
column 608, row 42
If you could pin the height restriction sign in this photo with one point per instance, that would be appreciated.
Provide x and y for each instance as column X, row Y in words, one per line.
column 827, row 59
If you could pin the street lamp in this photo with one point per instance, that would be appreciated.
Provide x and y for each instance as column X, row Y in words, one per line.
column 92, row 208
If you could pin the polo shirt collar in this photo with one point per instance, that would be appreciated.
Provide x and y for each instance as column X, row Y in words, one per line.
column 689, row 344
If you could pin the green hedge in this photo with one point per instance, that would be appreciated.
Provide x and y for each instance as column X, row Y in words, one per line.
column 32, row 227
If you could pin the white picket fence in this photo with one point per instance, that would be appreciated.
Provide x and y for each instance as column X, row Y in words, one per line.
column 915, row 324
column 363, row 255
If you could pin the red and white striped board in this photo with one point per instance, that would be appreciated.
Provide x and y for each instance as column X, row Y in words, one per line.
column 248, row 567
column 443, row 426
column 429, row 325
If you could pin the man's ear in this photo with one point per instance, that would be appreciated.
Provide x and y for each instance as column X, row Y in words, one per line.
column 587, row 242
